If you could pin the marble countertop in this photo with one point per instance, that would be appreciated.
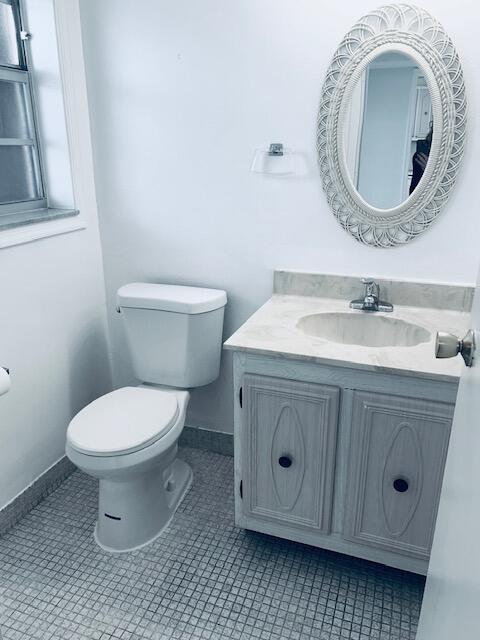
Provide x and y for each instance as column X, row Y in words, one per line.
column 272, row 330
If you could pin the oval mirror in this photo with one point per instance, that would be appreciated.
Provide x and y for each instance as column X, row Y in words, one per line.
column 388, row 130
column 391, row 125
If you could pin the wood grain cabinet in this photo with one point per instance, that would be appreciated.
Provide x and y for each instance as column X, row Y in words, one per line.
column 288, row 446
column 397, row 454
column 344, row 459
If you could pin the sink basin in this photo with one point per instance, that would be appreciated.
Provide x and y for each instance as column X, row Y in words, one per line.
column 363, row 329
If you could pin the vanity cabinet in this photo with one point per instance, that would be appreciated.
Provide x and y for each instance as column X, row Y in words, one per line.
column 344, row 459
column 397, row 454
column 288, row 442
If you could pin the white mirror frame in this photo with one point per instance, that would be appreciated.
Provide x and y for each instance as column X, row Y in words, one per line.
column 412, row 31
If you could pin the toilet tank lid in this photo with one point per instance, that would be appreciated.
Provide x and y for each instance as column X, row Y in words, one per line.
column 170, row 297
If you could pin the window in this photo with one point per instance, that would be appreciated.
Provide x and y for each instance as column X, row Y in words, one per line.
column 21, row 183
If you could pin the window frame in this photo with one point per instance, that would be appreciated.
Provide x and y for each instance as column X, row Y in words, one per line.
column 21, row 73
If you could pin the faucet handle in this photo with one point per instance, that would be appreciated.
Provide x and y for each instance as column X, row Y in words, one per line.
column 371, row 287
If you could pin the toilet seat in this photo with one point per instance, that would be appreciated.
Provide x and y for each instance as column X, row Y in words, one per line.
column 123, row 421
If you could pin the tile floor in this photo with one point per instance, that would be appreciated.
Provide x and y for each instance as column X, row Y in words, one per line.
column 203, row 578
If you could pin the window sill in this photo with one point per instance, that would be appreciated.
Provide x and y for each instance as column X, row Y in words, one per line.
column 28, row 228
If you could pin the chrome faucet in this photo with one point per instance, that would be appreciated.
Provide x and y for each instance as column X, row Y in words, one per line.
column 371, row 300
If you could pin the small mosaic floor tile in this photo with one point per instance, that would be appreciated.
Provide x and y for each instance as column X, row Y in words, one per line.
column 203, row 578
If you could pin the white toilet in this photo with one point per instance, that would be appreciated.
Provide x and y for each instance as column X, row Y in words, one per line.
column 128, row 438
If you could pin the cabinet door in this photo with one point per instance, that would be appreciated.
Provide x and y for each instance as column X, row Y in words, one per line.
column 397, row 456
column 288, row 451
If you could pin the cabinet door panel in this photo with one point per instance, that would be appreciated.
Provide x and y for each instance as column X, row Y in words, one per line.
column 288, row 451
column 397, row 455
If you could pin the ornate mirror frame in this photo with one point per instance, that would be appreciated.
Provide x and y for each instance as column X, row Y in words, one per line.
column 406, row 29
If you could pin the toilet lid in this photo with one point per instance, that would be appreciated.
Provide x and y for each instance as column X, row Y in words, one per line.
column 123, row 421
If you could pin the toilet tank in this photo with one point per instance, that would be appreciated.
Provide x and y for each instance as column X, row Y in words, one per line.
column 174, row 333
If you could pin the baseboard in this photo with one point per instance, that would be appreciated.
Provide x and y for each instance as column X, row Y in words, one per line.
column 206, row 439
column 52, row 478
column 40, row 488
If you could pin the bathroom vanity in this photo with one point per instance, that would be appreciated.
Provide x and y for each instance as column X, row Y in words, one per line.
column 343, row 418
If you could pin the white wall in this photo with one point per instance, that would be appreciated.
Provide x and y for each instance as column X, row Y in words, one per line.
column 53, row 326
column 181, row 92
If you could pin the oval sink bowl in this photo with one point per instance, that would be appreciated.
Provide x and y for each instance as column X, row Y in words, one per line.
column 363, row 329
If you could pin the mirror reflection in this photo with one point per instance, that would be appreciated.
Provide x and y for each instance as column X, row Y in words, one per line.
column 388, row 130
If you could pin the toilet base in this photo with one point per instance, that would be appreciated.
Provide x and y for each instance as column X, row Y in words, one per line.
column 135, row 511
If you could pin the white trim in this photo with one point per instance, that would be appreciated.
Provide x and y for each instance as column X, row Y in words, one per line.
column 17, row 142
column 33, row 482
column 13, row 75
column 39, row 230
column 74, row 86
column 72, row 73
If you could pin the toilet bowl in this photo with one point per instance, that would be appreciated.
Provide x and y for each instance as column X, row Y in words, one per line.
column 128, row 438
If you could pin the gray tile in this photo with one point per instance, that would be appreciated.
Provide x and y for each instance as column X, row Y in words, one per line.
column 215, row 441
column 35, row 493
column 203, row 578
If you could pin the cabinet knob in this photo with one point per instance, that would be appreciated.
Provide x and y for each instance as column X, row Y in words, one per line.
column 400, row 485
column 285, row 462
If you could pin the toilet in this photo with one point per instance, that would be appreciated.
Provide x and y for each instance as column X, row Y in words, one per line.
column 128, row 438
